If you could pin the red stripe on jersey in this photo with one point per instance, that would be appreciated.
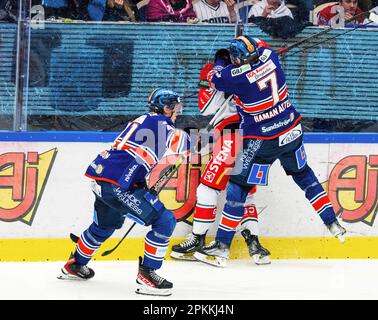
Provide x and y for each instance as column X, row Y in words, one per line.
column 210, row 76
column 318, row 204
column 261, row 106
column 261, row 43
column 143, row 154
column 204, row 96
column 103, row 179
column 227, row 121
column 174, row 144
column 84, row 249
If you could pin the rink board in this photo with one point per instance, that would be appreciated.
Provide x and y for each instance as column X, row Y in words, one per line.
column 44, row 196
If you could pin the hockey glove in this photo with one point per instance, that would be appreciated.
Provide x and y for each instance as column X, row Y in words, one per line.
column 223, row 54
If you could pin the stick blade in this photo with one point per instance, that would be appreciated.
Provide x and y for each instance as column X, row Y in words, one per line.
column 106, row 253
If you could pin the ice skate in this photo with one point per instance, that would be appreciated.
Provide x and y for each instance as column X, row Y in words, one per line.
column 337, row 231
column 186, row 249
column 150, row 283
column 258, row 253
column 216, row 254
column 75, row 271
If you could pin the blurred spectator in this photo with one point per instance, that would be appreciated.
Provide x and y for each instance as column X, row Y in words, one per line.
column 300, row 9
column 270, row 9
column 8, row 10
column 87, row 10
column 243, row 8
column 215, row 11
column 275, row 18
column 344, row 9
column 121, row 10
column 170, row 10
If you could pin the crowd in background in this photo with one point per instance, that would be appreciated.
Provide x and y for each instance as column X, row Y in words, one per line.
column 278, row 18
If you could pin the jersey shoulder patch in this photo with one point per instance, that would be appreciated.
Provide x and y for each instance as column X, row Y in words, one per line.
column 244, row 68
column 265, row 55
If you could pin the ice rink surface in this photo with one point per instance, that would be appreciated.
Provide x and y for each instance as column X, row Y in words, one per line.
column 241, row 280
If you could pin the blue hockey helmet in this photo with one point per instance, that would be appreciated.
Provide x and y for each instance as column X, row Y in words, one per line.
column 243, row 49
column 159, row 98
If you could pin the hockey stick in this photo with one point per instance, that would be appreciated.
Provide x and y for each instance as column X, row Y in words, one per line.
column 325, row 31
column 156, row 188
column 105, row 253
column 215, row 120
column 328, row 39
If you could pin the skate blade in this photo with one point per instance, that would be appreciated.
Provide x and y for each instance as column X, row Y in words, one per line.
column 261, row 260
column 183, row 256
column 67, row 276
column 341, row 238
column 149, row 291
column 212, row 260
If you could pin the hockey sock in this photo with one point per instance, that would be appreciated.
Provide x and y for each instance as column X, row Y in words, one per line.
column 155, row 248
column 321, row 203
column 230, row 219
column 203, row 217
column 232, row 213
column 316, row 194
column 157, row 240
column 250, row 220
column 89, row 242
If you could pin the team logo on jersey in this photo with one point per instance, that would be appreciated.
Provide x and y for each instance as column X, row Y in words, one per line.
column 259, row 174
column 209, row 176
column 301, row 157
column 240, row 70
column 290, row 136
column 23, row 177
column 353, row 188
column 99, row 169
column 265, row 55
column 260, row 72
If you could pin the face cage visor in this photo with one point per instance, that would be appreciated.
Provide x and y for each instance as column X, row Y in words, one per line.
column 173, row 104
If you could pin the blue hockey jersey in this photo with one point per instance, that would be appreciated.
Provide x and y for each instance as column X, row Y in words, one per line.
column 260, row 93
column 137, row 149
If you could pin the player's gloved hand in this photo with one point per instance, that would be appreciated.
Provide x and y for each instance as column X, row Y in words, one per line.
column 224, row 55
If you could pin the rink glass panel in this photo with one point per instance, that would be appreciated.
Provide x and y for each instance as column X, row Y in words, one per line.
column 7, row 75
column 96, row 77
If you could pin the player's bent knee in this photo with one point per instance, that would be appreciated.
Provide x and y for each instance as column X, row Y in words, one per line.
column 236, row 194
column 165, row 223
column 207, row 195
column 108, row 218
column 100, row 234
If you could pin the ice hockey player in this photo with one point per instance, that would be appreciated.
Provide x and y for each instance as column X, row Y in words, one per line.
column 216, row 176
column 120, row 190
column 271, row 130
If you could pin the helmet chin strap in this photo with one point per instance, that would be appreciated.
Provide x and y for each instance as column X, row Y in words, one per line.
column 171, row 112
